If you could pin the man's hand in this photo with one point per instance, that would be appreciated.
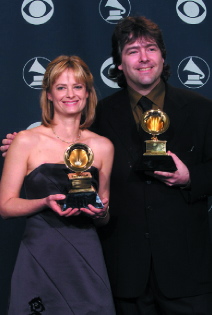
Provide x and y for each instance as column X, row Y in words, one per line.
column 181, row 177
column 7, row 142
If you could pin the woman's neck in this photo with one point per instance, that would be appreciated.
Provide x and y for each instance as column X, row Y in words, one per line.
column 67, row 130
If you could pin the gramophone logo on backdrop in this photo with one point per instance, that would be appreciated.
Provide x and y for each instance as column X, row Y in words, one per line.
column 34, row 70
column 191, row 11
column 104, row 73
column 193, row 72
column 114, row 10
column 37, row 11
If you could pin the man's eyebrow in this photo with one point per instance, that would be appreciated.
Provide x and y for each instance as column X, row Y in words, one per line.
column 138, row 46
column 132, row 47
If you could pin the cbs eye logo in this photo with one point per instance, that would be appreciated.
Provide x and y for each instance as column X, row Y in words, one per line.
column 37, row 11
column 104, row 73
column 191, row 12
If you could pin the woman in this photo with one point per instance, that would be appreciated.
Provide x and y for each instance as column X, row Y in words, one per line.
column 60, row 267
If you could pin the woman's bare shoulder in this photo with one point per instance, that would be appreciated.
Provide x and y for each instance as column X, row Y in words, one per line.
column 94, row 136
column 98, row 140
column 29, row 136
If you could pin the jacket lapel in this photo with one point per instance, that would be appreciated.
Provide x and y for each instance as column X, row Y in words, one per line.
column 176, row 108
column 125, row 126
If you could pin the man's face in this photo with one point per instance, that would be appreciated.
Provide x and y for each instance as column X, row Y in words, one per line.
column 142, row 65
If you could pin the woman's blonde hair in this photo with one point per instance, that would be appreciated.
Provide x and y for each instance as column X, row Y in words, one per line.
column 82, row 74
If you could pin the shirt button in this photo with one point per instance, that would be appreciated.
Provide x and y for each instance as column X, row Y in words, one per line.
column 149, row 182
column 146, row 235
column 149, row 208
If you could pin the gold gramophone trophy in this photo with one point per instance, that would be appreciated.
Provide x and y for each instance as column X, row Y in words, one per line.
column 156, row 122
column 79, row 157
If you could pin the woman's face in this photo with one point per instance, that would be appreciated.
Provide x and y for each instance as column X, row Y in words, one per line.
column 68, row 96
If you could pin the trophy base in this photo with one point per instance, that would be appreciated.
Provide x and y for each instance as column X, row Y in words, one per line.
column 162, row 163
column 82, row 200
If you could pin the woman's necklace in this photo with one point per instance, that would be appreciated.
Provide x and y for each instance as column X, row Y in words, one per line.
column 69, row 142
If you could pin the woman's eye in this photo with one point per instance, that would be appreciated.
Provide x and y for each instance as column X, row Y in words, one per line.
column 78, row 87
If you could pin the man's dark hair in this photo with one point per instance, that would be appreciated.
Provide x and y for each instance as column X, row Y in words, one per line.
column 127, row 31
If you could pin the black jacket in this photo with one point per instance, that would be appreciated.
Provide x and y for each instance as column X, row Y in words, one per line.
column 150, row 219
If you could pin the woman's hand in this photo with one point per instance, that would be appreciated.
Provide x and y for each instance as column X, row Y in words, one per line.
column 53, row 202
column 100, row 216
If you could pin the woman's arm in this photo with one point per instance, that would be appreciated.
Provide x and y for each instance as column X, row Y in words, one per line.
column 104, row 153
column 14, row 170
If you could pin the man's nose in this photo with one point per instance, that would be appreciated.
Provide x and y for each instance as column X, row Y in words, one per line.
column 143, row 56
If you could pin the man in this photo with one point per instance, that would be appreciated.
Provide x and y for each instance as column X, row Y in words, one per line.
column 157, row 245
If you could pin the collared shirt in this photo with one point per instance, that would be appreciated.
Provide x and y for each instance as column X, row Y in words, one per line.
column 157, row 96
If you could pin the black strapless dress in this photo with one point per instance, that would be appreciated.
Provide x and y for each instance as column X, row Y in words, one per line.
column 60, row 268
